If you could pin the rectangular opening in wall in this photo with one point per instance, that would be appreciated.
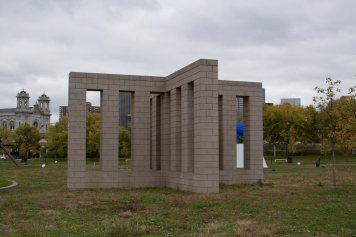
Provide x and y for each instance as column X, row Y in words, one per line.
column 125, row 113
column 155, row 131
column 93, row 112
column 239, row 127
column 221, row 133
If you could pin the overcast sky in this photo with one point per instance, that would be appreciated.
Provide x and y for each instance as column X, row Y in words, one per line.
column 289, row 46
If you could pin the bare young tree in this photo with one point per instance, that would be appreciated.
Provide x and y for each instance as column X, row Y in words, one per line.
column 325, row 103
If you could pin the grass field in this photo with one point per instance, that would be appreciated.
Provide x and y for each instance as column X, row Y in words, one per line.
column 4, row 182
column 292, row 200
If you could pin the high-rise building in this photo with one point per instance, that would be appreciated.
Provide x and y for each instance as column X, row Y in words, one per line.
column 263, row 95
column 240, row 106
column 63, row 111
column 125, row 108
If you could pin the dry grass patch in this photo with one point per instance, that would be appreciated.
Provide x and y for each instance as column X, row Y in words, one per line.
column 50, row 212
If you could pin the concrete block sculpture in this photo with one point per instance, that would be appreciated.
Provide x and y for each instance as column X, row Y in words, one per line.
column 182, row 125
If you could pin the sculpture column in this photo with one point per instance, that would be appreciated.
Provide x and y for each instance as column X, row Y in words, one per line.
column 165, row 132
column 206, row 133
column 175, row 117
column 109, row 134
column 76, row 134
column 187, row 125
column 156, row 132
column 253, row 136
column 140, row 131
column 228, row 133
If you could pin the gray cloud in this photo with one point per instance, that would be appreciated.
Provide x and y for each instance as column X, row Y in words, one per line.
column 290, row 46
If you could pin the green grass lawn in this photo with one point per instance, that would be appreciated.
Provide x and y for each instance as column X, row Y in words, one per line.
column 4, row 182
column 292, row 200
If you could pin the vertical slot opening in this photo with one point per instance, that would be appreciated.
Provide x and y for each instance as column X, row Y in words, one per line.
column 125, row 113
column 221, row 133
column 93, row 116
column 240, row 130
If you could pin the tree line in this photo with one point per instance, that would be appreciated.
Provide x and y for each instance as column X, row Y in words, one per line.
column 330, row 122
column 24, row 141
column 57, row 137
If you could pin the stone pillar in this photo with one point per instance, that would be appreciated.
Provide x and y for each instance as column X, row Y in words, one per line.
column 187, row 125
column 140, row 143
column 253, row 136
column 109, row 134
column 165, row 132
column 228, row 133
column 206, row 140
column 156, row 132
column 175, row 118
column 76, row 136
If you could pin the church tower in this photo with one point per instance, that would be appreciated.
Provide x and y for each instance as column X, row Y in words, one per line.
column 43, row 104
column 43, row 107
column 23, row 100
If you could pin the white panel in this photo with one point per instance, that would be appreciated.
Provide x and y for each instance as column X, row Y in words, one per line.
column 239, row 155
column 264, row 163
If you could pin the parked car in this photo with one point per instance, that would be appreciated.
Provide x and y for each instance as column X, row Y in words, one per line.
column 2, row 157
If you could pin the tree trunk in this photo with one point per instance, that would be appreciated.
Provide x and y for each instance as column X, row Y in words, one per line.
column 334, row 171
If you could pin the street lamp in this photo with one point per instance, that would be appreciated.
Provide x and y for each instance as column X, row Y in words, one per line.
column 43, row 143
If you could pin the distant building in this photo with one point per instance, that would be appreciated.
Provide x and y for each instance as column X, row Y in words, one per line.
column 124, row 108
column 263, row 95
column 63, row 111
column 93, row 109
column 38, row 116
column 240, row 106
column 292, row 101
